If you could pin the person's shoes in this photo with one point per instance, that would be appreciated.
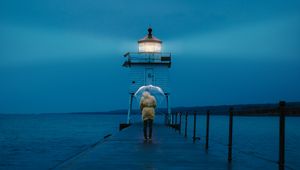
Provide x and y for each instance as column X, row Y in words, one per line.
column 145, row 139
column 150, row 139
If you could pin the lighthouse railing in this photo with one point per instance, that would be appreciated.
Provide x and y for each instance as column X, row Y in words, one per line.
column 148, row 57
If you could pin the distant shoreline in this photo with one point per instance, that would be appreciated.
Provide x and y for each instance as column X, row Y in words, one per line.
column 292, row 109
column 107, row 113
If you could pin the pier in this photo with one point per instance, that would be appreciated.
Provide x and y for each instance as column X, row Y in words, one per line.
column 168, row 149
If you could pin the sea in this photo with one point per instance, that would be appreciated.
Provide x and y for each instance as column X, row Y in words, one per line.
column 43, row 141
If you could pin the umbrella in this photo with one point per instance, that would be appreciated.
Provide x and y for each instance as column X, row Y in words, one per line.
column 155, row 91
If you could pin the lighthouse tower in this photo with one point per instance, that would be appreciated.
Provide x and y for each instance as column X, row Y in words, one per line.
column 148, row 66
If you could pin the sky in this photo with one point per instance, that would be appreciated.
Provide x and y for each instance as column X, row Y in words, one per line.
column 66, row 55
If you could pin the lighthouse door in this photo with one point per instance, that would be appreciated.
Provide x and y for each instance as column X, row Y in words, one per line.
column 149, row 76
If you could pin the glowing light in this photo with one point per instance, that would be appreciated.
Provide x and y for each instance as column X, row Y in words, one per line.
column 150, row 47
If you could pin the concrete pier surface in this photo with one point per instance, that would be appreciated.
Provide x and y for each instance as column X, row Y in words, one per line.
column 168, row 150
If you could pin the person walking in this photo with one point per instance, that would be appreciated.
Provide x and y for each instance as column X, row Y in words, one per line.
column 147, row 106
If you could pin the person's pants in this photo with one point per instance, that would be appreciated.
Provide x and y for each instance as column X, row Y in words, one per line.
column 148, row 123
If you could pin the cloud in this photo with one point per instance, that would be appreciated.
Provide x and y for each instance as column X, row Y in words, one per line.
column 30, row 45
column 270, row 39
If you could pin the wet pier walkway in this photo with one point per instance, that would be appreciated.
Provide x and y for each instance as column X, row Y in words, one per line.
column 168, row 150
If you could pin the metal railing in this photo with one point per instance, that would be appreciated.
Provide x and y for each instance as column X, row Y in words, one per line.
column 136, row 58
column 282, row 113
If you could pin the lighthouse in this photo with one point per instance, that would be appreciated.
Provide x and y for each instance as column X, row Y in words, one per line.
column 148, row 66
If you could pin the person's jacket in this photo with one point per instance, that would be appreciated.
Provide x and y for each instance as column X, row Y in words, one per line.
column 148, row 105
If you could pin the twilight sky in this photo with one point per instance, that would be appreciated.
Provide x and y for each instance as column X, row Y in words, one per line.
column 66, row 55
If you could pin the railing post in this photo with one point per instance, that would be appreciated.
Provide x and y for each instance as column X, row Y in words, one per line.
column 207, row 128
column 180, row 114
column 186, row 123
column 230, row 135
column 281, row 134
column 171, row 122
column 172, row 118
column 194, row 134
column 175, row 121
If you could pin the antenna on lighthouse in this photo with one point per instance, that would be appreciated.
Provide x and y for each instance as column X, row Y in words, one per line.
column 149, row 32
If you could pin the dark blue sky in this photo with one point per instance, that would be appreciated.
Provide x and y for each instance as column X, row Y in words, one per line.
column 66, row 55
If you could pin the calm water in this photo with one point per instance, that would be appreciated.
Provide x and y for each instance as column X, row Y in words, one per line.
column 42, row 141
column 254, row 138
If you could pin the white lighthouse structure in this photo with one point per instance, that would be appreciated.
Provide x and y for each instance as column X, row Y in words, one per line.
column 148, row 66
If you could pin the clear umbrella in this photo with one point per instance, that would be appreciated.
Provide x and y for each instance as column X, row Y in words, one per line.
column 155, row 91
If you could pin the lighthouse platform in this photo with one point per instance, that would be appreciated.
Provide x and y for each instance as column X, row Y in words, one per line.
column 167, row 150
